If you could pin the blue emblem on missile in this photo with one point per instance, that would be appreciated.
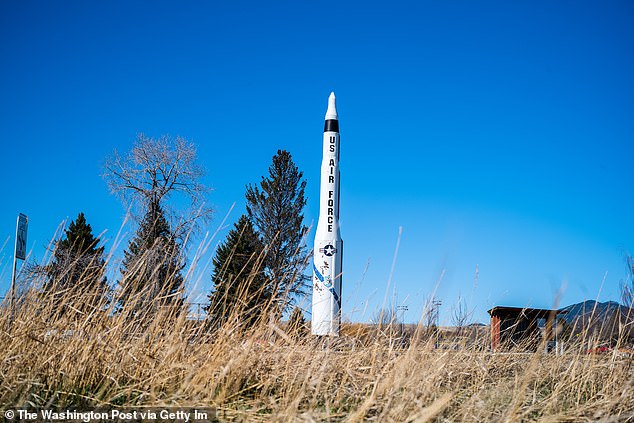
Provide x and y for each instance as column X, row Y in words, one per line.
column 328, row 250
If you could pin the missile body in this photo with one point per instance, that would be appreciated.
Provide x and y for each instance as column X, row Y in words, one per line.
column 328, row 252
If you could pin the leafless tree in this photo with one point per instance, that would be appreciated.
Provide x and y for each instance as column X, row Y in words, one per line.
column 158, row 169
column 385, row 317
column 386, row 322
column 431, row 313
column 460, row 315
column 627, row 285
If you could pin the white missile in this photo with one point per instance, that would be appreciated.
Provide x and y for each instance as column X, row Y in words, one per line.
column 328, row 253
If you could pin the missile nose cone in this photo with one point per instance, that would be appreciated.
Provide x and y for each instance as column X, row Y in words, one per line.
column 331, row 113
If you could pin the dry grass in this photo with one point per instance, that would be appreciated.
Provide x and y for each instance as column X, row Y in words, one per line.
column 86, row 358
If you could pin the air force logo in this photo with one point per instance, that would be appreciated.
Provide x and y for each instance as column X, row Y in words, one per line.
column 328, row 250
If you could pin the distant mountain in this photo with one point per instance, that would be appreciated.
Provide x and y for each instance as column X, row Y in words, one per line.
column 595, row 318
column 588, row 308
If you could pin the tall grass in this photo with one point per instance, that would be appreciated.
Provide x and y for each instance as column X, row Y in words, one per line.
column 55, row 354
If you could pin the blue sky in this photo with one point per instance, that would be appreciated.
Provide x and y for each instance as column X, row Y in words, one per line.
column 498, row 135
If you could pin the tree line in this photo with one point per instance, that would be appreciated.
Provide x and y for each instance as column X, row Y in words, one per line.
column 258, row 270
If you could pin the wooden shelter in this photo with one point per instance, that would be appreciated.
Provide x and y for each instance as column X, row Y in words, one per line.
column 524, row 327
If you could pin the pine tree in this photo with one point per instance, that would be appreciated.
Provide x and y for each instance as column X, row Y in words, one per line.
column 276, row 210
column 152, row 266
column 77, row 270
column 239, row 283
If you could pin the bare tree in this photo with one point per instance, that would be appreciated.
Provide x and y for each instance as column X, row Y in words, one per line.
column 431, row 313
column 460, row 315
column 385, row 317
column 158, row 169
column 627, row 285
column 154, row 172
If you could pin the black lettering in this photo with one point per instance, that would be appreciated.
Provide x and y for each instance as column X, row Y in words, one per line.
column 332, row 170
column 330, row 194
column 332, row 148
column 331, row 219
column 331, row 202
column 330, row 211
column 332, row 162
column 331, row 179
column 329, row 228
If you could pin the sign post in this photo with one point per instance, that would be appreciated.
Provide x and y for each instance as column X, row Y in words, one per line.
column 20, row 253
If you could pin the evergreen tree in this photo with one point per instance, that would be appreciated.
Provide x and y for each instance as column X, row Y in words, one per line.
column 76, row 272
column 239, row 282
column 152, row 265
column 276, row 209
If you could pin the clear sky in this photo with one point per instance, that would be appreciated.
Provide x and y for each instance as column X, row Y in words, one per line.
column 499, row 135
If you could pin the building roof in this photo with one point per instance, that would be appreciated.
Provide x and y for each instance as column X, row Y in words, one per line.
column 535, row 313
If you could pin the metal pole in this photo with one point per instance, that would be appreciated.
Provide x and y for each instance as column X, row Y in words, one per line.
column 12, row 297
column 17, row 254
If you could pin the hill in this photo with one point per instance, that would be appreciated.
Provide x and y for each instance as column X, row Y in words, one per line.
column 605, row 320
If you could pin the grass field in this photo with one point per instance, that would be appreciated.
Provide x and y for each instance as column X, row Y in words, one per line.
column 82, row 358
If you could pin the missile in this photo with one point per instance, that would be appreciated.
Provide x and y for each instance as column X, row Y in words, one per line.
column 328, row 251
